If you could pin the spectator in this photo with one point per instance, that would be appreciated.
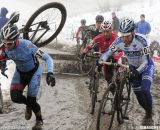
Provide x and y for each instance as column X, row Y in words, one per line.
column 142, row 26
column 115, row 23
column 3, row 18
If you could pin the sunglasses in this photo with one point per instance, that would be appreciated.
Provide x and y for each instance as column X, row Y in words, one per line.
column 9, row 43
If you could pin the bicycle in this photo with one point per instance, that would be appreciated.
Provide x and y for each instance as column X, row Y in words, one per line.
column 115, row 99
column 44, row 24
column 94, row 75
column 85, row 68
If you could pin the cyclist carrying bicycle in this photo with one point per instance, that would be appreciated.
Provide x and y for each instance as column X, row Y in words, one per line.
column 28, row 70
column 103, row 41
column 136, row 50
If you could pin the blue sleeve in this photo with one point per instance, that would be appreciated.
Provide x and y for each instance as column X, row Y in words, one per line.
column 33, row 49
column 49, row 62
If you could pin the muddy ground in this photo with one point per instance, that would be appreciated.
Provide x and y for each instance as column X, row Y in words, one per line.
column 66, row 107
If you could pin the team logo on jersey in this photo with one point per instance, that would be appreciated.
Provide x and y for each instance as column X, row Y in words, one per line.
column 126, row 48
column 134, row 47
column 133, row 53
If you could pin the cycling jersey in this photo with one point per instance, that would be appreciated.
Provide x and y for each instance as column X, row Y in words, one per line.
column 24, row 56
column 81, row 32
column 94, row 31
column 28, row 71
column 102, row 43
column 137, row 53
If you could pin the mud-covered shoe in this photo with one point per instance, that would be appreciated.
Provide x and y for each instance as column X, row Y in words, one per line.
column 28, row 113
column 38, row 125
column 147, row 121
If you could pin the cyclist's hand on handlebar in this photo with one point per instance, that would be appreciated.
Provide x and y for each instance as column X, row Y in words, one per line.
column 134, row 74
column 50, row 79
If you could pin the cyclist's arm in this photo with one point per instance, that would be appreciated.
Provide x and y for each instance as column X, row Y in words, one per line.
column 46, row 57
column 34, row 50
column 112, row 49
column 89, row 47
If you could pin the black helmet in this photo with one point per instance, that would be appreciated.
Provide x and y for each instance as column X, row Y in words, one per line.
column 10, row 32
column 99, row 18
column 83, row 21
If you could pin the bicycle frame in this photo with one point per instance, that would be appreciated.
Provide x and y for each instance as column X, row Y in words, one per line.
column 116, row 96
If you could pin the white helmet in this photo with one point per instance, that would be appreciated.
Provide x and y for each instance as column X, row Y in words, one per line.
column 106, row 25
column 9, row 32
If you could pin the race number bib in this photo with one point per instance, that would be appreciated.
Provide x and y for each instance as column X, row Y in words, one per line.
column 113, row 48
column 145, row 51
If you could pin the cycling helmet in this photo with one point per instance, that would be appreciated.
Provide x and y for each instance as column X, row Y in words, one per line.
column 10, row 32
column 106, row 25
column 127, row 25
column 83, row 21
column 99, row 18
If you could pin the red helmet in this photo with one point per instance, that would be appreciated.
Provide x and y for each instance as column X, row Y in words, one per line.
column 106, row 25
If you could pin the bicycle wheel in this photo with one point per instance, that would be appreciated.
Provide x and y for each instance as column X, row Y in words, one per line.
column 1, row 100
column 105, row 118
column 45, row 24
column 123, row 101
column 93, row 92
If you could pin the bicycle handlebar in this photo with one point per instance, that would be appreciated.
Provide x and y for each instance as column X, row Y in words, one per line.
column 116, row 64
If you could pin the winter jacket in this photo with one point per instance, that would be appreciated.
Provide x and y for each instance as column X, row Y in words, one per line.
column 3, row 18
column 143, row 27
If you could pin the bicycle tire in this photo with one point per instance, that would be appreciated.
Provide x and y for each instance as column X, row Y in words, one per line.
column 102, row 125
column 54, row 5
column 1, row 100
column 93, row 93
column 123, row 102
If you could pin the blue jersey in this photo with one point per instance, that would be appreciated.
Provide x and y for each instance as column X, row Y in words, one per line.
column 25, row 56
column 137, row 53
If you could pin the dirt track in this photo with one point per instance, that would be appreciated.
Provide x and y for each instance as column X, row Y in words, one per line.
column 66, row 107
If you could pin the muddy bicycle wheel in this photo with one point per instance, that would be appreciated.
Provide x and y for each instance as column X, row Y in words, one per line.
column 45, row 24
column 1, row 100
column 93, row 92
column 105, row 118
column 123, row 101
